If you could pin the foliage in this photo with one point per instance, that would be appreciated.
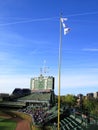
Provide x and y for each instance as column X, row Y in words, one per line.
column 91, row 105
column 69, row 99
column 88, row 104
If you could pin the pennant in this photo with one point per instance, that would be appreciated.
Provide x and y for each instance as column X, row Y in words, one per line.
column 66, row 29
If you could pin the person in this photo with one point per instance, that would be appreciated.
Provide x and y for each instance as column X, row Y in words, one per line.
column 74, row 112
column 88, row 117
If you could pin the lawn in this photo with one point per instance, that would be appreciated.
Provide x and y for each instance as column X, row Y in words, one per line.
column 7, row 124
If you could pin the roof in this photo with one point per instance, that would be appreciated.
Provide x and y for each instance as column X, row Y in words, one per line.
column 37, row 97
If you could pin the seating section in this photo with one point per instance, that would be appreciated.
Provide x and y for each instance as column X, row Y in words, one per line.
column 70, row 123
column 37, row 97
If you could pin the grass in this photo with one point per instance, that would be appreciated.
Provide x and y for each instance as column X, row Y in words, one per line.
column 7, row 124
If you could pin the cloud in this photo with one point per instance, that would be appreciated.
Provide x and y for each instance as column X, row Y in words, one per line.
column 17, row 40
column 12, row 39
column 10, row 64
column 90, row 49
column 16, row 52
column 10, row 82
column 85, row 13
column 78, row 82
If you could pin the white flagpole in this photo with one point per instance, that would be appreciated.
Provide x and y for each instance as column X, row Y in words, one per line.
column 66, row 29
column 59, row 73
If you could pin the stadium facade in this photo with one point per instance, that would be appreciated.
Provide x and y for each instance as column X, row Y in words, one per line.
column 42, row 83
column 42, row 91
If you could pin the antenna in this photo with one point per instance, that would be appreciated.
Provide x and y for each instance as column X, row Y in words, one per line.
column 41, row 71
column 45, row 68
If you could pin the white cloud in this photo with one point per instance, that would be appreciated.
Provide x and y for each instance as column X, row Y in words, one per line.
column 72, row 82
column 90, row 49
column 9, row 83
column 77, row 82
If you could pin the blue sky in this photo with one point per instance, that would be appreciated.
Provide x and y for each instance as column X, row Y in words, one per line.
column 29, row 40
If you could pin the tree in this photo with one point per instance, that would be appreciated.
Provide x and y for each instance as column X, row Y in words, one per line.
column 70, row 100
column 91, row 105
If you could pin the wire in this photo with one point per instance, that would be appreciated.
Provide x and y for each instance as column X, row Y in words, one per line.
column 79, row 14
column 28, row 21
column 45, row 19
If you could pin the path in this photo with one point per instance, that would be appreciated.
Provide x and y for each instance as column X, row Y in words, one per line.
column 23, row 125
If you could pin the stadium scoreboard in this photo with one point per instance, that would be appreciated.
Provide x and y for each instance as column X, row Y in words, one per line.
column 42, row 83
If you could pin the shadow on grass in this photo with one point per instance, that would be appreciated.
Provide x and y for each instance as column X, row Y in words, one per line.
column 7, row 125
column 7, row 120
column 5, row 128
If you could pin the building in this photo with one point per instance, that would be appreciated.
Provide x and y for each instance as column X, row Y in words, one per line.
column 96, row 95
column 90, row 95
column 80, row 100
column 42, row 83
column 4, row 96
column 43, row 88
column 80, row 96
column 21, row 92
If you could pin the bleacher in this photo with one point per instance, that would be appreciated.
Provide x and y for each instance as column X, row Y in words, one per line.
column 12, row 104
column 76, row 122
column 37, row 97
column 66, row 122
column 70, row 123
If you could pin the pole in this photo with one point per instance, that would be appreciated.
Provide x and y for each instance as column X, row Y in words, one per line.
column 59, row 73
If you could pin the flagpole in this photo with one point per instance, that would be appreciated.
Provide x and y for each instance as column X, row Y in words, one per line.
column 59, row 72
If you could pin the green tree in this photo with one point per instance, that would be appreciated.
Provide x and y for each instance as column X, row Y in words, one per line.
column 70, row 100
column 91, row 105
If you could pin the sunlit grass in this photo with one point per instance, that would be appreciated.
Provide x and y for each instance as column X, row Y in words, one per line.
column 7, row 124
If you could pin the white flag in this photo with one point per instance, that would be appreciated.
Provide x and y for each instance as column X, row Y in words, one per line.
column 66, row 29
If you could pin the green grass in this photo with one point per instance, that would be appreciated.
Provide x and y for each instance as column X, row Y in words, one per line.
column 6, row 124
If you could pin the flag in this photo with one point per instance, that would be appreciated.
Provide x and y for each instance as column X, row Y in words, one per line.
column 66, row 29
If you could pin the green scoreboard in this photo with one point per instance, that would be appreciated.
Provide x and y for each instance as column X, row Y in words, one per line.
column 42, row 83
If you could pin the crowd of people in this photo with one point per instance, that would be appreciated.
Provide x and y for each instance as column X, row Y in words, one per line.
column 38, row 113
column 38, row 116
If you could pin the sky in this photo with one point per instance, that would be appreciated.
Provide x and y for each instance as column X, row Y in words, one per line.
column 30, row 38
